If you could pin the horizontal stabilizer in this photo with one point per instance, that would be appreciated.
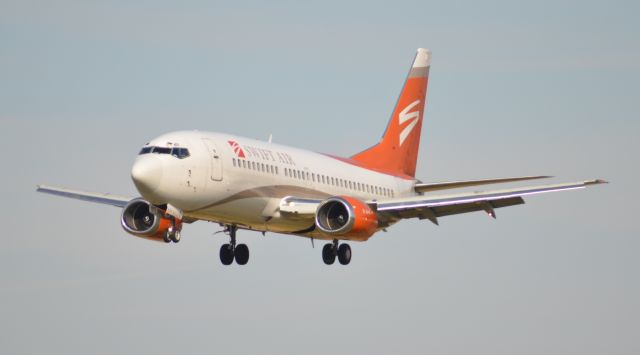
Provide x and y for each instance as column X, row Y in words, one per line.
column 428, row 187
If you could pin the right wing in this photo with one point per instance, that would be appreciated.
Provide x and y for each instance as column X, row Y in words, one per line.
column 107, row 199
column 434, row 186
column 438, row 206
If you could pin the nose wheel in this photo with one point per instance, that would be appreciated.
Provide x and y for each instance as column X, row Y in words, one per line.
column 232, row 251
column 332, row 250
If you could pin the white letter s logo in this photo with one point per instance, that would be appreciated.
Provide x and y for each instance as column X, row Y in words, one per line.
column 404, row 116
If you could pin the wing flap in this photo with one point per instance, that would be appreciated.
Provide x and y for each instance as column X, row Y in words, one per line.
column 449, row 210
column 97, row 197
column 439, row 206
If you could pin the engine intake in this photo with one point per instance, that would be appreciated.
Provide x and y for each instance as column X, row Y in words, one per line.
column 143, row 220
column 346, row 216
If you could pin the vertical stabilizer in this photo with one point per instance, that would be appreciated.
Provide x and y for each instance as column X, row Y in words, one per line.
column 397, row 152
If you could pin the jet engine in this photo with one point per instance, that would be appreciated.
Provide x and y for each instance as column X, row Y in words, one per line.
column 144, row 220
column 346, row 217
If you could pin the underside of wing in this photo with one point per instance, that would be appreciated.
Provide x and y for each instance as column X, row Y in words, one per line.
column 435, row 186
column 439, row 206
column 97, row 197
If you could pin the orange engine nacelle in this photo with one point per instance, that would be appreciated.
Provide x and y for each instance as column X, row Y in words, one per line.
column 346, row 217
column 140, row 220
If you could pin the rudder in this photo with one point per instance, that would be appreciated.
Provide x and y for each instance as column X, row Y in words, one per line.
column 397, row 151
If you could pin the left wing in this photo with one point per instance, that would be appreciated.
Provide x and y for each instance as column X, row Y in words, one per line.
column 438, row 206
column 107, row 199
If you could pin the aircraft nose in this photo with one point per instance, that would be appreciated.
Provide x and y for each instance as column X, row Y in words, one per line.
column 147, row 175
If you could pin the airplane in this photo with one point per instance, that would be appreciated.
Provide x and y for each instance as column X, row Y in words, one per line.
column 247, row 184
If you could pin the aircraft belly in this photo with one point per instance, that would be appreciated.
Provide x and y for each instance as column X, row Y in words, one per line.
column 250, row 213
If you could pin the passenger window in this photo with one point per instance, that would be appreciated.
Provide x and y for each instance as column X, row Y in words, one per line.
column 234, row 162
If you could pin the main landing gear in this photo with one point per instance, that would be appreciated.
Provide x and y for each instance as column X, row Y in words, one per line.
column 172, row 235
column 231, row 251
column 331, row 250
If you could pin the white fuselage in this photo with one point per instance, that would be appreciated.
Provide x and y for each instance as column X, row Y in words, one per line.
column 241, row 181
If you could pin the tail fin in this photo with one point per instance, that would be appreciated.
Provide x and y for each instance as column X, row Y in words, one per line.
column 397, row 152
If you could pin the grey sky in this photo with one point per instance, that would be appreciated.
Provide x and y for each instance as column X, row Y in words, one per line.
column 515, row 88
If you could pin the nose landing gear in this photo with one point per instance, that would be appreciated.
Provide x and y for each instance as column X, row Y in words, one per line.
column 231, row 251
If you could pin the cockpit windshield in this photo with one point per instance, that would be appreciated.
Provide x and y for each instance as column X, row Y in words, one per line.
column 179, row 153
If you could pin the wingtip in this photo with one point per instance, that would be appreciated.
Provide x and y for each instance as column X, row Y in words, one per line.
column 596, row 182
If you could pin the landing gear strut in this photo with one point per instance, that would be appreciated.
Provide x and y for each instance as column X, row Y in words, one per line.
column 331, row 250
column 231, row 251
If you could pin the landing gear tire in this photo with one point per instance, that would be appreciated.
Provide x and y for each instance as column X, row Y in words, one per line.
column 241, row 254
column 226, row 254
column 175, row 237
column 166, row 237
column 328, row 254
column 344, row 254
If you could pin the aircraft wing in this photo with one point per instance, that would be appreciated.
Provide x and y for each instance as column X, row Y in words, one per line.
column 433, row 207
column 107, row 199
column 434, row 186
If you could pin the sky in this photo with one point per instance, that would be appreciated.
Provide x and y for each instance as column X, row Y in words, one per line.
column 516, row 88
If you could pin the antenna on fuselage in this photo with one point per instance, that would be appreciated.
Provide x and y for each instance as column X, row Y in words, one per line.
column 270, row 137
